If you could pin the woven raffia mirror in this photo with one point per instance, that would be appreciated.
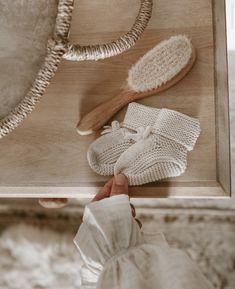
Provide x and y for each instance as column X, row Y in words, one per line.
column 34, row 38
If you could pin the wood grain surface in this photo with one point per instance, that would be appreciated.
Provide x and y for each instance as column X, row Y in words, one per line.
column 46, row 157
column 102, row 113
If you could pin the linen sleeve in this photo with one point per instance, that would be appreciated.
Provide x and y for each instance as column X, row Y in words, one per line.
column 108, row 229
column 116, row 255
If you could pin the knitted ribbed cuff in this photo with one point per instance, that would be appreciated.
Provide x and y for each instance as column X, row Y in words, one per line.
column 139, row 115
column 177, row 127
column 166, row 122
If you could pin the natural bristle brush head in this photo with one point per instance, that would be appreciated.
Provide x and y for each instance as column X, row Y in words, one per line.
column 159, row 69
column 161, row 64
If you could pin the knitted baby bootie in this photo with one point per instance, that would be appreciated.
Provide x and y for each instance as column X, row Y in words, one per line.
column 103, row 153
column 160, row 151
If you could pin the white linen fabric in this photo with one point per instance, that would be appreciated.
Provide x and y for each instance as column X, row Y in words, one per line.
column 117, row 255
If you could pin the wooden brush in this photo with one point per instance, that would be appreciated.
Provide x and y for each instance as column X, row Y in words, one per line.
column 160, row 68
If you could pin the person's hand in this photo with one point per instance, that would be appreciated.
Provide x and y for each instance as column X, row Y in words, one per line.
column 118, row 185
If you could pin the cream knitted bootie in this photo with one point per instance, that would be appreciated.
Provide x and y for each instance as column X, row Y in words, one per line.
column 160, row 151
column 105, row 151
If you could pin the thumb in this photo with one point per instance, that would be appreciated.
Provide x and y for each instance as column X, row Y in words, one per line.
column 119, row 186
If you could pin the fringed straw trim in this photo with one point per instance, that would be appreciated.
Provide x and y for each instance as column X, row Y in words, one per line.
column 59, row 47
column 47, row 71
column 123, row 43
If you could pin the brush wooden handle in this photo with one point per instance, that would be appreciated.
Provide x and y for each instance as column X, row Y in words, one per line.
column 99, row 116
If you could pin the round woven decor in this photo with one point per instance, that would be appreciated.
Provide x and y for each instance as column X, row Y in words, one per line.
column 33, row 39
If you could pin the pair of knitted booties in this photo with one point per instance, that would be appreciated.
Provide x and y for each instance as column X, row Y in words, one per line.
column 151, row 144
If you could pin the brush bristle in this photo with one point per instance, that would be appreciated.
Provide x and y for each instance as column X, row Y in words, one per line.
column 160, row 64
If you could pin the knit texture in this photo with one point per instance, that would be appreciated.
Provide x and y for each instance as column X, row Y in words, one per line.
column 139, row 115
column 177, row 127
column 103, row 153
column 160, row 64
column 151, row 145
column 161, row 152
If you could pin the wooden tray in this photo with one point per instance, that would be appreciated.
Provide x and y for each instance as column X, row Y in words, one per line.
column 45, row 157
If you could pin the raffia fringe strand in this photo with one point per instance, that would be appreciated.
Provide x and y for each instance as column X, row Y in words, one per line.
column 59, row 47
